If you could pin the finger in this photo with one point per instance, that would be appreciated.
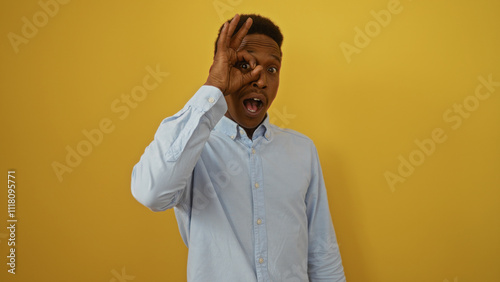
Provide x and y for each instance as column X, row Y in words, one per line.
column 254, row 75
column 232, row 27
column 236, row 39
column 245, row 56
column 221, row 44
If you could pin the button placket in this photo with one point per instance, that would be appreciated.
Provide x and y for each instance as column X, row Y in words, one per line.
column 260, row 232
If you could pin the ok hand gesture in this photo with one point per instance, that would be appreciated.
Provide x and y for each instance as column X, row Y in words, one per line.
column 226, row 72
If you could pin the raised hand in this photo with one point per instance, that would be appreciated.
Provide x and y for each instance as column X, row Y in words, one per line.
column 227, row 72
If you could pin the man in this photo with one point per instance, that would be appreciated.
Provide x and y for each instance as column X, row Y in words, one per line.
column 249, row 197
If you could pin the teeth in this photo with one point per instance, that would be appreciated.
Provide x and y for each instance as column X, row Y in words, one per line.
column 250, row 110
column 255, row 99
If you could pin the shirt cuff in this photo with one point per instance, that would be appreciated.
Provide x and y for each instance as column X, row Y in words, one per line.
column 205, row 98
column 210, row 100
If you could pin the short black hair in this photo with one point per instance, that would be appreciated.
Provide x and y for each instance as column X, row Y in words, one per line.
column 260, row 25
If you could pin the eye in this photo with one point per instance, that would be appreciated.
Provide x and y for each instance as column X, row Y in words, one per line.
column 272, row 70
column 244, row 65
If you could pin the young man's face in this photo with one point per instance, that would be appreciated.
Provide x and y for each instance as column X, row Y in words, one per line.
column 248, row 106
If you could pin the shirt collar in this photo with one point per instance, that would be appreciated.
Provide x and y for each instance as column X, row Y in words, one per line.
column 232, row 129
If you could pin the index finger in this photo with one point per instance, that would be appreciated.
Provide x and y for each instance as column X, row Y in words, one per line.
column 245, row 56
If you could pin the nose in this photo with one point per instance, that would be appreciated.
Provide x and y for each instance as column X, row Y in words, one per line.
column 261, row 81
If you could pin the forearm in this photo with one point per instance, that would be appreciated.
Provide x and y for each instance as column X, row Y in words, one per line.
column 324, row 262
column 163, row 171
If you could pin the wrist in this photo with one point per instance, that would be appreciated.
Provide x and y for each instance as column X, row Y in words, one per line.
column 210, row 82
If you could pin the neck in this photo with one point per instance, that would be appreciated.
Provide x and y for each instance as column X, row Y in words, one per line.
column 249, row 132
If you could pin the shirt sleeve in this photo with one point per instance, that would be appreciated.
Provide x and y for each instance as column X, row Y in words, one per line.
column 324, row 261
column 164, row 170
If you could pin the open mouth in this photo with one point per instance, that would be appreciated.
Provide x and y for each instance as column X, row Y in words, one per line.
column 253, row 105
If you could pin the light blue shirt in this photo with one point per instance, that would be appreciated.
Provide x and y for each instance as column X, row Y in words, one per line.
column 248, row 209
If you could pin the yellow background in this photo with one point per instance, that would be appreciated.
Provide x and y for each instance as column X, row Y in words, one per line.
column 441, row 224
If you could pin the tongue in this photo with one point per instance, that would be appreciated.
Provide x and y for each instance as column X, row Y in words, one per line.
column 252, row 105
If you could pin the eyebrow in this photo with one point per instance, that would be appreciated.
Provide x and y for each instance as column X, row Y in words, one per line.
column 272, row 55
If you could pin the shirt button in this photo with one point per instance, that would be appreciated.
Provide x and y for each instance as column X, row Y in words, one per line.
column 259, row 221
column 257, row 185
column 242, row 131
column 261, row 260
column 232, row 136
column 267, row 136
column 211, row 100
column 253, row 151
